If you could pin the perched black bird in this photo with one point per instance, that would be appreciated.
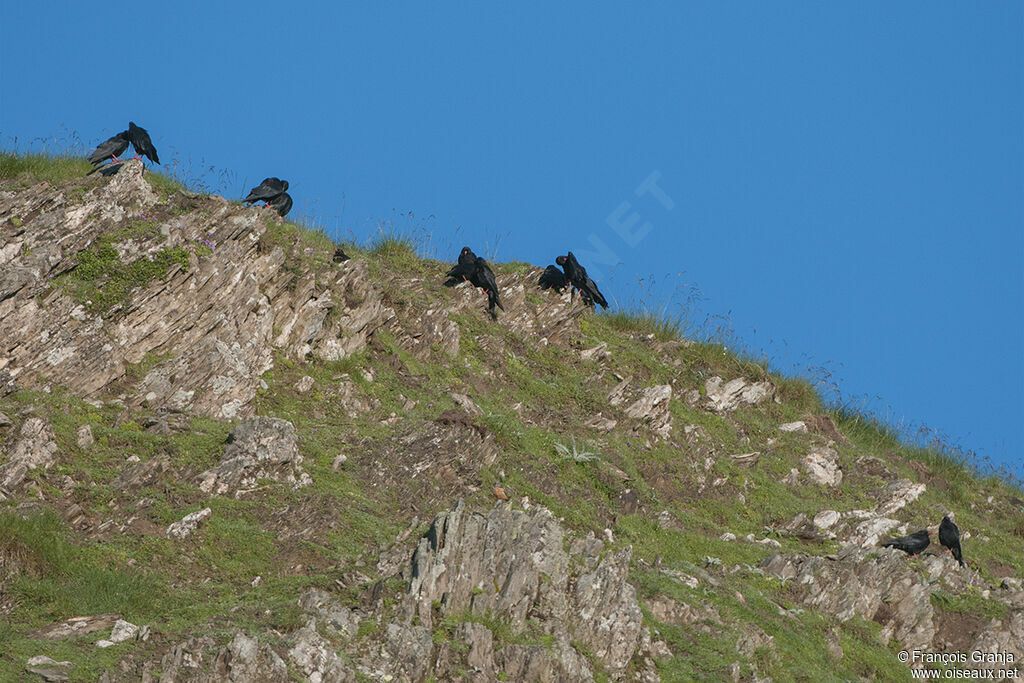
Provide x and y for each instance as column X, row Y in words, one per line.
column 141, row 142
column 267, row 191
column 912, row 544
column 949, row 537
column 340, row 256
column 112, row 148
column 282, row 203
column 553, row 278
column 577, row 277
column 475, row 269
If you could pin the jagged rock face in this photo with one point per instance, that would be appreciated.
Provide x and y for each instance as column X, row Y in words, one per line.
column 652, row 410
column 822, row 466
column 472, row 562
column 511, row 564
column 877, row 584
column 212, row 324
column 881, row 588
column 244, row 660
column 725, row 396
column 316, row 659
column 262, row 448
column 36, row 448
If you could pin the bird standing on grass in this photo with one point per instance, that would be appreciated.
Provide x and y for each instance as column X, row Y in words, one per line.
column 339, row 255
column 578, row 278
column 475, row 269
column 949, row 537
column 912, row 544
column 141, row 142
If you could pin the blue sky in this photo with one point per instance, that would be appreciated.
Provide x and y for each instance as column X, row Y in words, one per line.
column 842, row 182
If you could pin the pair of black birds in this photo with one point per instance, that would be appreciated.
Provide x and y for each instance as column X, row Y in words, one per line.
column 474, row 269
column 271, row 191
column 136, row 136
column 915, row 543
column 572, row 275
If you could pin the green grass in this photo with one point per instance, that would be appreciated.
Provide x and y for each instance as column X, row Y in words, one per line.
column 60, row 579
column 203, row 585
column 42, row 167
column 970, row 603
column 164, row 185
column 102, row 281
column 660, row 323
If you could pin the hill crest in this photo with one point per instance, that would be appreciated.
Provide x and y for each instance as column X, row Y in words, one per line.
column 668, row 491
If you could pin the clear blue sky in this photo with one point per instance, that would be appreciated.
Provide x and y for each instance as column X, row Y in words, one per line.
column 843, row 181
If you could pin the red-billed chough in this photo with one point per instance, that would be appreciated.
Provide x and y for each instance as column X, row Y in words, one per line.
column 267, row 191
column 475, row 269
column 282, row 203
column 949, row 537
column 141, row 142
column 912, row 544
column 577, row 277
column 112, row 148
column 553, row 278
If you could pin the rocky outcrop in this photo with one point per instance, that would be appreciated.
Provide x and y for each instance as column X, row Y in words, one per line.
column 316, row 659
column 244, row 660
column 263, row 448
column 721, row 396
column 880, row 588
column 206, row 330
column 511, row 565
column 822, row 466
column 878, row 584
column 189, row 523
column 651, row 410
column 35, row 449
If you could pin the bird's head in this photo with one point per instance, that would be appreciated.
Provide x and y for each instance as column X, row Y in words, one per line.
column 465, row 251
column 560, row 260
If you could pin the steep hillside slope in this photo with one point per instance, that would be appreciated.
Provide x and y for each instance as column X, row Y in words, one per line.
column 225, row 457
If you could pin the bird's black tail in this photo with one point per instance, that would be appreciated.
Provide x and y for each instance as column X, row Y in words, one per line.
column 492, row 300
column 958, row 554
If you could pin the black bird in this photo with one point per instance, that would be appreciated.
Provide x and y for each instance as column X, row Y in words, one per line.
column 475, row 269
column 267, row 191
column 340, row 256
column 553, row 278
column 282, row 203
column 949, row 537
column 577, row 277
column 912, row 544
column 141, row 142
column 112, row 148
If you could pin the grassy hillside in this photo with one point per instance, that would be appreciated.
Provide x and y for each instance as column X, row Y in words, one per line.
column 92, row 546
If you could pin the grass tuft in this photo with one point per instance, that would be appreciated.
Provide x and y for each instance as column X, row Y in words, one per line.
column 44, row 167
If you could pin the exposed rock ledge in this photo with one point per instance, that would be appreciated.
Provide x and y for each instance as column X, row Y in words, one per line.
column 507, row 567
column 211, row 327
